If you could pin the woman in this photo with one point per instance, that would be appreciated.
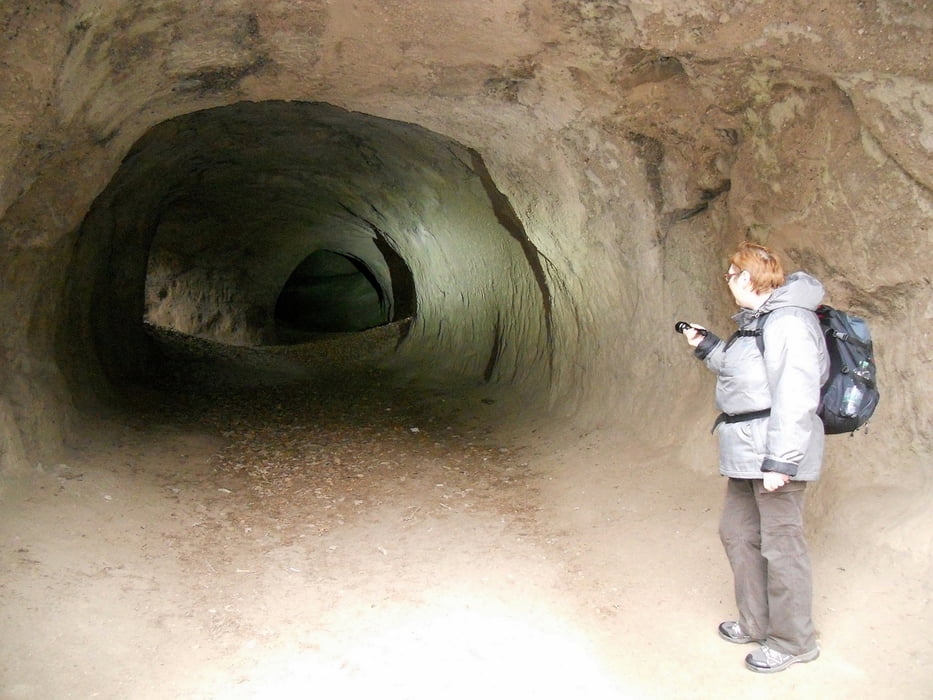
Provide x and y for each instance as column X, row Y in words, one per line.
column 770, row 446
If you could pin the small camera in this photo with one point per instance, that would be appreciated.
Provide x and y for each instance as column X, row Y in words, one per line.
column 683, row 327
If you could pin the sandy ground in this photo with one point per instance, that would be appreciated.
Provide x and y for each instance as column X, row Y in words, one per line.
column 260, row 538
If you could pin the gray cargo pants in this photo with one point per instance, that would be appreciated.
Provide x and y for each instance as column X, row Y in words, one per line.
column 763, row 537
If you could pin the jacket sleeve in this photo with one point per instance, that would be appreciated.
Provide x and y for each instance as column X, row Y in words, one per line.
column 711, row 350
column 791, row 361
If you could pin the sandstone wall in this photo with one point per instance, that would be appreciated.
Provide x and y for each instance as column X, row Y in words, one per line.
column 625, row 149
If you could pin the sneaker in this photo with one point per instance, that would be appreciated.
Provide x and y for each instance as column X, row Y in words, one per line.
column 732, row 631
column 768, row 660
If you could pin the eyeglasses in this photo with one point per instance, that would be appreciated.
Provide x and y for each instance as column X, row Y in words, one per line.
column 729, row 275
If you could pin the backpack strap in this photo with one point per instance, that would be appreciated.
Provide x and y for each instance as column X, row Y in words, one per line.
column 850, row 338
column 760, row 327
column 740, row 417
column 757, row 333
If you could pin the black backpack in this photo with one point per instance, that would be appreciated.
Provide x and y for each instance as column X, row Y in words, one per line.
column 850, row 395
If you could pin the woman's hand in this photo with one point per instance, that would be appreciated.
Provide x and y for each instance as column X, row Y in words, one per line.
column 694, row 336
column 774, row 480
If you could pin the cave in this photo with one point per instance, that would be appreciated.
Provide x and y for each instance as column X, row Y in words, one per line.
column 338, row 340
column 329, row 292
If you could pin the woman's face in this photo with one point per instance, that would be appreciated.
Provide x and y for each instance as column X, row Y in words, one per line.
column 740, row 284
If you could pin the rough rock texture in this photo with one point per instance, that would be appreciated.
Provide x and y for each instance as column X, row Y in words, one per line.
column 537, row 190
column 563, row 180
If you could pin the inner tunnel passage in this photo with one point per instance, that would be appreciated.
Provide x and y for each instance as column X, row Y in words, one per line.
column 331, row 292
column 248, row 223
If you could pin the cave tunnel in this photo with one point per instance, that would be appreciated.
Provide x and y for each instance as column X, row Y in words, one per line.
column 337, row 343
column 250, row 223
column 221, row 252
column 331, row 292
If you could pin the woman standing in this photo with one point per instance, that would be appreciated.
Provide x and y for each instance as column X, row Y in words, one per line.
column 770, row 446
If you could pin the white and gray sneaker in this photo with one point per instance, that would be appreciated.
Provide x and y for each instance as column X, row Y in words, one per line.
column 732, row 631
column 768, row 660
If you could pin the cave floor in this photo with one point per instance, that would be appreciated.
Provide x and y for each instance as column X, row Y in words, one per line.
column 253, row 534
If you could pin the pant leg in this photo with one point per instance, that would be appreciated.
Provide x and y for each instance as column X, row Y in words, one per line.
column 740, row 532
column 790, row 579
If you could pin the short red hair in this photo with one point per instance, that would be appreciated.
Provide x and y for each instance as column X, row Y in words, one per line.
column 762, row 264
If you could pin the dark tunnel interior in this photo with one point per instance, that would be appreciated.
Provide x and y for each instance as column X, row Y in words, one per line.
column 261, row 224
column 330, row 292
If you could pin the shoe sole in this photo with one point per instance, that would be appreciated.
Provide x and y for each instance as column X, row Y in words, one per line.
column 801, row 658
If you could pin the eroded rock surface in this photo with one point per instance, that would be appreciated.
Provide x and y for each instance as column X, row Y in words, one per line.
column 532, row 191
column 562, row 180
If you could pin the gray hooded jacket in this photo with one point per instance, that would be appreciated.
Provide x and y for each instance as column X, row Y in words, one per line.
column 787, row 379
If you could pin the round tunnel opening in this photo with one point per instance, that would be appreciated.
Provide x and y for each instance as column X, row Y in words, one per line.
column 330, row 292
column 257, row 224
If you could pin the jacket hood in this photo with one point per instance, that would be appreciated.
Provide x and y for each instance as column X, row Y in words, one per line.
column 799, row 289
